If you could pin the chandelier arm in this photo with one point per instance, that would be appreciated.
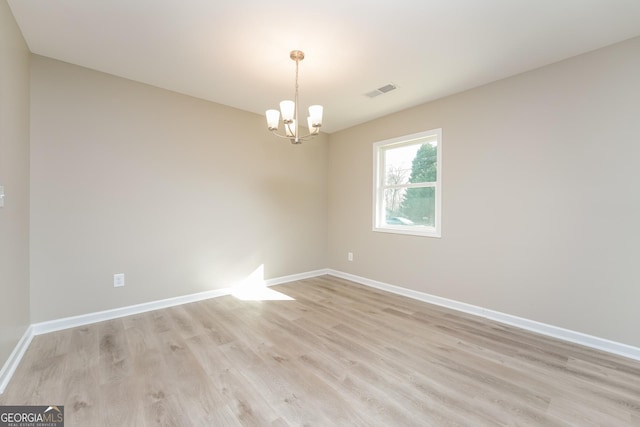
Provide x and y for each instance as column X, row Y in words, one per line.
column 308, row 136
column 288, row 128
column 280, row 135
column 301, row 138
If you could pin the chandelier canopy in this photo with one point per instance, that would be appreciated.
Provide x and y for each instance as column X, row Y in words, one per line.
column 289, row 111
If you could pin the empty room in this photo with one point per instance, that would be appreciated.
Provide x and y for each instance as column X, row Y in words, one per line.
column 247, row 213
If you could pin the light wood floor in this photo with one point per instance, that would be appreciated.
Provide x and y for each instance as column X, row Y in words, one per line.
column 339, row 354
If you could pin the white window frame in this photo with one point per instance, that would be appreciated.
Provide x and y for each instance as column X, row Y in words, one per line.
column 379, row 186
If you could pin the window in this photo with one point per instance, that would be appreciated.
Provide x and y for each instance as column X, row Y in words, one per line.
column 407, row 184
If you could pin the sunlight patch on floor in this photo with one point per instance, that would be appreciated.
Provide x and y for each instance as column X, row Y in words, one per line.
column 254, row 288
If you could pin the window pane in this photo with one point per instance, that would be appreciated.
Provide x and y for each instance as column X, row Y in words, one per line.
column 397, row 162
column 393, row 198
column 411, row 164
column 410, row 207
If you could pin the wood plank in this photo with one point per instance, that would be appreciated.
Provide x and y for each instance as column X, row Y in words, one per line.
column 339, row 353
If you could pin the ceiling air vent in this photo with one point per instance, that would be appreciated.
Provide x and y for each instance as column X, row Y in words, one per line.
column 384, row 89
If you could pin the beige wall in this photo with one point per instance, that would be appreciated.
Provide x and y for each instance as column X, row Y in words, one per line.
column 541, row 210
column 180, row 194
column 14, row 176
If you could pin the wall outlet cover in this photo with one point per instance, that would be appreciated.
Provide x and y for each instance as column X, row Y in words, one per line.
column 118, row 280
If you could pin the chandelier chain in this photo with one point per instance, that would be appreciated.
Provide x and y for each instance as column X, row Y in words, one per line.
column 296, row 101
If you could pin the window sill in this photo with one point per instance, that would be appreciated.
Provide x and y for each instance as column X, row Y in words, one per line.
column 412, row 231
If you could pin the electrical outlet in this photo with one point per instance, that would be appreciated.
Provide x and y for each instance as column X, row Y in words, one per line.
column 118, row 280
column 350, row 256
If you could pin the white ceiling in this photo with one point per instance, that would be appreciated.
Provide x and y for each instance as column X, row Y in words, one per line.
column 236, row 52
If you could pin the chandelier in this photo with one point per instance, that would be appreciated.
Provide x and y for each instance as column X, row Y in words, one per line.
column 289, row 111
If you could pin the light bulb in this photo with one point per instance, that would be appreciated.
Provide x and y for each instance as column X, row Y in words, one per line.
column 273, row 119
column 287, row 108
column 315, row 112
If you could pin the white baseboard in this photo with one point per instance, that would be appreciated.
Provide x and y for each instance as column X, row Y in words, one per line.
column 603, row 344
column 100, row 316
column 71, row 322
column 85, row 319
column 14, row 358
column 295, row 277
